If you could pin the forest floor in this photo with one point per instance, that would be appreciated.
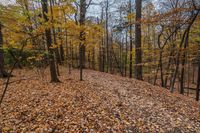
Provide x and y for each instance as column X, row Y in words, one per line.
column 101, row 103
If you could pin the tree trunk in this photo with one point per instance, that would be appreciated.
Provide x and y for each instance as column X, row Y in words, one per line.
column 131, row 45
column 82, row 37
column 138, row 52
column 53, row 73
column 161, row 68
column 183, row 65
column 62, row 53
column 57, row 54
column 93, row 58
column 3, row 73
column 126, row 54
column 198, row 84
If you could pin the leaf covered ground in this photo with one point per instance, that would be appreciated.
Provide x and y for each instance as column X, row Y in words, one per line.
column 101, row 103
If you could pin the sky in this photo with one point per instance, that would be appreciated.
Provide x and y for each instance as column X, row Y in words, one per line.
column 6, row 2
column 94, row 9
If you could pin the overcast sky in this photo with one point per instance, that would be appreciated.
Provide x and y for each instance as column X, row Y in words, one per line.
column 5, row 2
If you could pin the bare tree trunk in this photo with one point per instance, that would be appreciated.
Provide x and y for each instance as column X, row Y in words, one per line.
column 161, row 70
column 100, row 58
column 126, row 56
column 131, row 45
column 198, row 84
column 101, row 48
column 107, row 40
column 62, row 53
column 72, row 55
column 89, row 59
column 104, row 58
column 93, row 58
column 138, row 52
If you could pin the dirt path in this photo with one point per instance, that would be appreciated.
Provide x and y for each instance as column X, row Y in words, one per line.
column 101, row 103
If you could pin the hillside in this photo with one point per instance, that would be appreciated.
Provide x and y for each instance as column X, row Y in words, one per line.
column 100, row 103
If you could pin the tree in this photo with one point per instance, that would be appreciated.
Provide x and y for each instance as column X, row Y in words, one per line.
column 107, row 37
column 183, row 44
column 3, row 73
column 82, row 36
column 131, row 43
column 138, row 50
column 198, row 83
column 54, row 77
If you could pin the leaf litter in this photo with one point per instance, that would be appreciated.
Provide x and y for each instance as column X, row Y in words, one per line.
column 101, row 103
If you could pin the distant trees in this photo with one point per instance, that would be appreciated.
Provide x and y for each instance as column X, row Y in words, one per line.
column 181, row 53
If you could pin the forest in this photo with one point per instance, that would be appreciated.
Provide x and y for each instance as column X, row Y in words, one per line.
column 130, row 66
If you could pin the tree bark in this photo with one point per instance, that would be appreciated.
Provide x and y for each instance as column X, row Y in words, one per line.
column 138, row 50
column 3, row 73
column 54, row 77
column 107, row 40
column 82, row 37
column 57, row 54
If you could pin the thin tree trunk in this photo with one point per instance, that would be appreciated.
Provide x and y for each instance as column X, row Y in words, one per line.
column 131, row 45
column 161, row 69
column 193, row 71
column 62, row 53
column 126, row 54
column 198, row 84
column 93, row 58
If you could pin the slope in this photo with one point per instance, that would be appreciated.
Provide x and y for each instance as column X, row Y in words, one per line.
column 101, row 103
